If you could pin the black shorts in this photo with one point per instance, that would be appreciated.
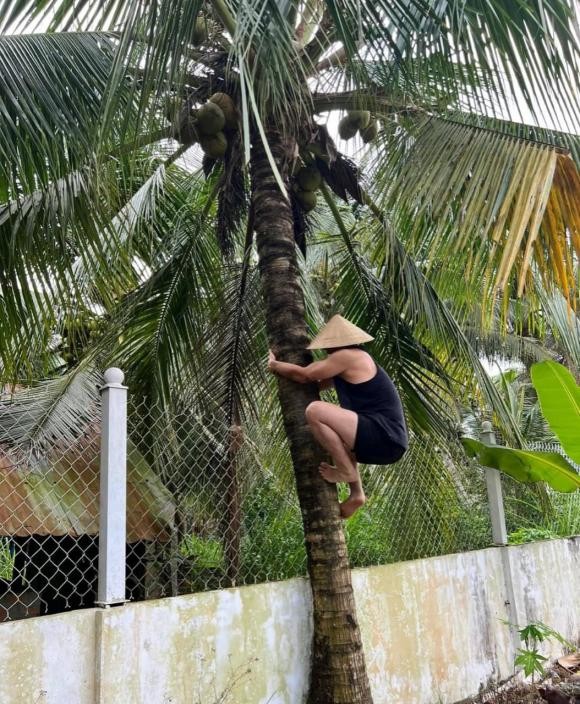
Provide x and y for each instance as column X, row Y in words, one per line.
column 375, row 442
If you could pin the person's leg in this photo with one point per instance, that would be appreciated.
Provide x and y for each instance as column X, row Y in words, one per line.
column 356, row 497
column 335, row 429
column 355, row 500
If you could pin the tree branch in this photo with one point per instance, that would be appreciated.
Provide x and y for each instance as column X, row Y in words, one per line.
column 353, row 100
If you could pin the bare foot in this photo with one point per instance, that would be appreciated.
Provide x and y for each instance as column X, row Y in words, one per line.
column 352, row 505
column 338, row 474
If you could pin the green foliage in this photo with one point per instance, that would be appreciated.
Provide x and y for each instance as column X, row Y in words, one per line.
column 529, row 535
column 529, row 658
column 522, row 401
column 6, row 559
column 537, row 632
column 526, row 465
column 273, row 542
column 559, row 397
column 95, row 211
column 531, row 661
column 207, row 553
column 565, row 516
column 368, row 538
column 424, row 505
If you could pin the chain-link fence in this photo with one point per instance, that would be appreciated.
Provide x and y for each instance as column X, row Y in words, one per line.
column 235, row 518
column 212, row 504
column 535, row 512
column 48, row 508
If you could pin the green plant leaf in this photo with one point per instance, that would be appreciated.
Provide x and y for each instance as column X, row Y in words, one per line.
column 531, row 661
column 530, row 535
column 537, row 632
column 526, row 466
column 559, row 397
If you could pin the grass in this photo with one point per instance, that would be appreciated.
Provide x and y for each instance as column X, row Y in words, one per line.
column 6, row 560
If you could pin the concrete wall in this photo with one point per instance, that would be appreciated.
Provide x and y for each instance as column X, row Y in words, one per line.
column 432, row 632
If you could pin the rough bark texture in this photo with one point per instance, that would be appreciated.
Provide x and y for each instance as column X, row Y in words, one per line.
column 338, row 669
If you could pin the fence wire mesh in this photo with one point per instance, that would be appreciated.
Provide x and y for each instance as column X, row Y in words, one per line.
column 535, row 512
column 231, row 515
column 211, row 505
column 49, row 509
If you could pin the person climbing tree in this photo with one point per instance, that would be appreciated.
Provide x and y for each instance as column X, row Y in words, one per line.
column 369, row 427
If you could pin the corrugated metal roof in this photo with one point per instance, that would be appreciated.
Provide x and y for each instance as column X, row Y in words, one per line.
column 60, row 495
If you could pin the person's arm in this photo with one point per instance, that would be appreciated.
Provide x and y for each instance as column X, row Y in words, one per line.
column 317, row 371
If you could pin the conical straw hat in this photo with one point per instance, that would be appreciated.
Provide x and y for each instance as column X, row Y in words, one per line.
column 339, row 332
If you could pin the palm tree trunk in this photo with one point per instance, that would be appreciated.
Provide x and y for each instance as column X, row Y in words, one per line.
column 338, row 674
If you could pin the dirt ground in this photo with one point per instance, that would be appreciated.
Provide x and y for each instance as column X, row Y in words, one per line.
column 519, row 693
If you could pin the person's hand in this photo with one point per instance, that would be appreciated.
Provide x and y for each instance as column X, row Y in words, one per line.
column 271, row 361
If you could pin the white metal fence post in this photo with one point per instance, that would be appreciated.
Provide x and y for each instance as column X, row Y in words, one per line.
column 499, row 535
column 494, row 494
column 113, row 495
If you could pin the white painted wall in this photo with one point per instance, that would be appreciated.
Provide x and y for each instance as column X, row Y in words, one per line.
column 432, row 631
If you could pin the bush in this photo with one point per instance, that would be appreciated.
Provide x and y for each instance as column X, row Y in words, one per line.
column 529, row 535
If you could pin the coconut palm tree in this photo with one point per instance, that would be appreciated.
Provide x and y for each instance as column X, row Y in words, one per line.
column 457, row 204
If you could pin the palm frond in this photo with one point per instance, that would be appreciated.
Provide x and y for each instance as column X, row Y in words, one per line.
column 420, row 378
column 53, row 88
column 495, row 344
column 52, row 412
column 264, row 32
column 162, row 320
column 566, row 141
column 232, row 373
column 491, row 203
column 564, row 325
column 60, row 254
column 489, row 56
column 405, row 285
column 532, row 47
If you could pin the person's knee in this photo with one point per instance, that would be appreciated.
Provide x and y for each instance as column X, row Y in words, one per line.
column 312, row 411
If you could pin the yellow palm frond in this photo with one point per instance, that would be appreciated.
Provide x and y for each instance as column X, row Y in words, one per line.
column 495, row 205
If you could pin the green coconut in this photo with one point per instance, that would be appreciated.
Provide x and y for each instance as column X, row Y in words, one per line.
column 199, row 32
column 360, row 118
column 228, row 107
column 307, row 200
column 347, row 128
column 369, row 133
column 309, row 178
column 214, row 145
column 317, row 149
column 210, row 119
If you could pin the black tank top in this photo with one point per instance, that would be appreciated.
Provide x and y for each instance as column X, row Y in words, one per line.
column 376, row 397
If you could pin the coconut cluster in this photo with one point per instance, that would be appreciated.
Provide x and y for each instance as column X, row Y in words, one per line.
column 79, row 328
column 209, row 125
column 307, row 181
column 358, row 121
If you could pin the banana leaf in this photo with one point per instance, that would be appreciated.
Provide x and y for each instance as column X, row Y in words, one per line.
column 526, row 466
column 559, row 397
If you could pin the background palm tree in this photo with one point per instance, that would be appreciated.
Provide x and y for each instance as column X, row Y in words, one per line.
column 456, row 207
